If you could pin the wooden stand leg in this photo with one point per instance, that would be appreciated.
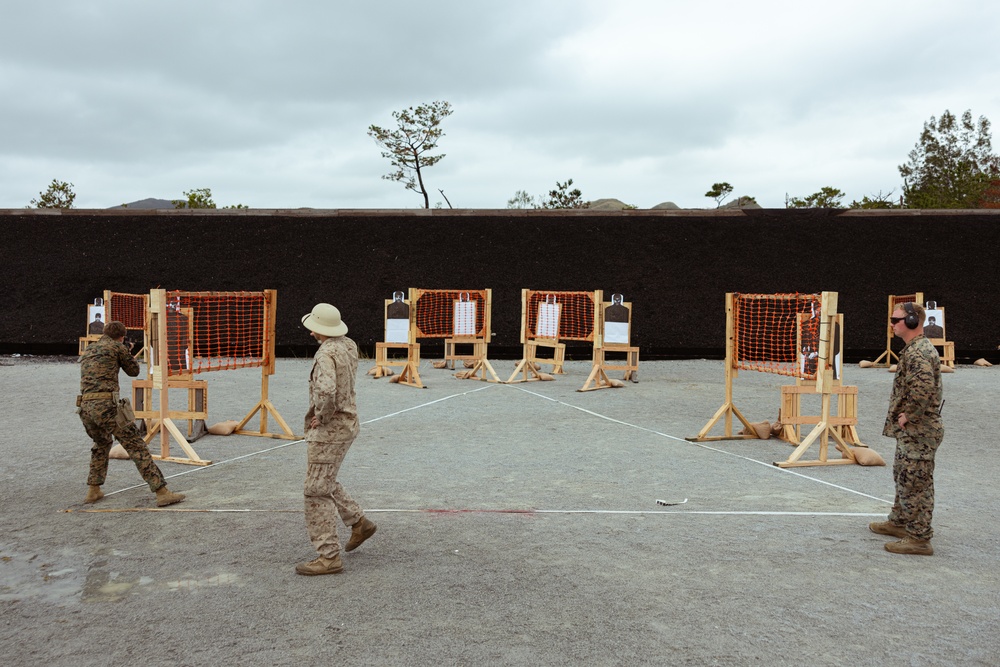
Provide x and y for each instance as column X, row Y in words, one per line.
column 382, row 366
column 842, row 427
column 410, row 375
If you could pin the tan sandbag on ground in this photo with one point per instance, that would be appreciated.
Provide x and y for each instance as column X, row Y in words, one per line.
column 864, row 456
column 761, row 429
column 864, row 363
column 223, row 428
column 947, row 369
column 118, row 452
column 981, row 362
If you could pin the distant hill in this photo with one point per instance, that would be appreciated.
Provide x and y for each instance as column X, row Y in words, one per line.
column 147, row 204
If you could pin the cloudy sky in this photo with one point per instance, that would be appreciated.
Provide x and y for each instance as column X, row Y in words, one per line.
column 267, row 103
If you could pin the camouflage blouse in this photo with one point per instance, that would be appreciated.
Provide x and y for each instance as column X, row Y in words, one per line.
column 916, row 391
column 100, row 363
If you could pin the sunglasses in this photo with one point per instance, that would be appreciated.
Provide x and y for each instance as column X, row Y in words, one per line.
column 896, row 320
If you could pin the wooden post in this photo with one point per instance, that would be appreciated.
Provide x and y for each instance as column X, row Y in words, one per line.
column 728, row 409
column 889, row 355
column 160, row 381
column 827, row 427
column 598, row 378
column 264, row 405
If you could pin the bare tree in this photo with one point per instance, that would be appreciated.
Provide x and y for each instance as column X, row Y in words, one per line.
column 408, row 147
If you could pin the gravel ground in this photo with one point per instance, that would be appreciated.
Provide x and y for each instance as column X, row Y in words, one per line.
column 518, row 525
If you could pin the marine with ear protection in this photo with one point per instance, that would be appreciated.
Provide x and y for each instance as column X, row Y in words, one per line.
column 912, row 320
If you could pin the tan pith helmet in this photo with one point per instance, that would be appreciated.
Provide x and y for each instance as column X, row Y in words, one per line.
column 325, row 320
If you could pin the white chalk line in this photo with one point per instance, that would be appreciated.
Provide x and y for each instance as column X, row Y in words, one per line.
column 424, row 405
column 296, row 442
column 453, row 512
column 703, row 446
column 575, row 407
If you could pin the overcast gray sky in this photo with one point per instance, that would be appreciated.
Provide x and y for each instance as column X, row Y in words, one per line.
column 268, row 103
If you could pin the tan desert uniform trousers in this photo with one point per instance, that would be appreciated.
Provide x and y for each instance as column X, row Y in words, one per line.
column 326, row 498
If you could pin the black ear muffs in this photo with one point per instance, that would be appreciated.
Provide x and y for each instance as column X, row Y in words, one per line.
column 911, row 321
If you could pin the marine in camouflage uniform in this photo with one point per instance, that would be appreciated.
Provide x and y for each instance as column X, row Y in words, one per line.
column 914, row 420
column 331, row 425
column 98, row 403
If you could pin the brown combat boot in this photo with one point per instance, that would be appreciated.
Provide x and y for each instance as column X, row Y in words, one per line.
column 321, row 566
column 887, row 528
column 165, row 497
column 94, row 494
column 911, row 546
column 360, row 532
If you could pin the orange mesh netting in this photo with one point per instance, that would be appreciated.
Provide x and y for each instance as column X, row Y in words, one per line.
column 436, row 312
column 899, row 299
column 214, row 331
column 568, row 314
column 765, row 335
column 129, row 309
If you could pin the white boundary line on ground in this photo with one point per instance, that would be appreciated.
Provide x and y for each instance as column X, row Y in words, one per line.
column 698, row 444
column 191, row 510
column 569, row 405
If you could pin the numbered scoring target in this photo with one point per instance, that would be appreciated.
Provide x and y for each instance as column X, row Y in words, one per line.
column 464, row 321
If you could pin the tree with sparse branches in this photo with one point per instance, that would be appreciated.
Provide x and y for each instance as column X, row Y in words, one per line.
column 951, row 164
column 59, row 194
column 408, row 147
column 877, row 201
column 719, row 192
column 201, row 198
column 563, row 197
column 197, row 198
column 522, row 199
column 827, row 197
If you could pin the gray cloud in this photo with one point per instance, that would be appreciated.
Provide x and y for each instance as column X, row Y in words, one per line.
column 267, row 103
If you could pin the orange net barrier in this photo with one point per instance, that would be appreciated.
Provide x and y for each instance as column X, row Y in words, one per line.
column 129, row 309
column 447, row 313
column 215, row 331
column 767, row 330
column 900, row 299
column 562, row 315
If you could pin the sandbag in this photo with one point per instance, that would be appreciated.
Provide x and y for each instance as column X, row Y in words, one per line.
column 761, row 430
column 864, row 456
column 223, row 428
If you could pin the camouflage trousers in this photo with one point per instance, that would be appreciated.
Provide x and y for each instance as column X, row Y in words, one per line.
column 326, row 498
column 914, row 504
column 98, row 419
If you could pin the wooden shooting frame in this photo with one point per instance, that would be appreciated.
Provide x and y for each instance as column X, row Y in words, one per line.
column 824, row 385
column 410, row 374
column 528, row 367
column 109, row 309
column 479, row 343
column 477, row 338
column 895, row 301
column 161, row 420
column 947, row 346
column 844, row 424
column 598, row 378
column 85, row 341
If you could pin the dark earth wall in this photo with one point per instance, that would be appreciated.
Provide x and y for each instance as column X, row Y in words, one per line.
column 674, row 266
